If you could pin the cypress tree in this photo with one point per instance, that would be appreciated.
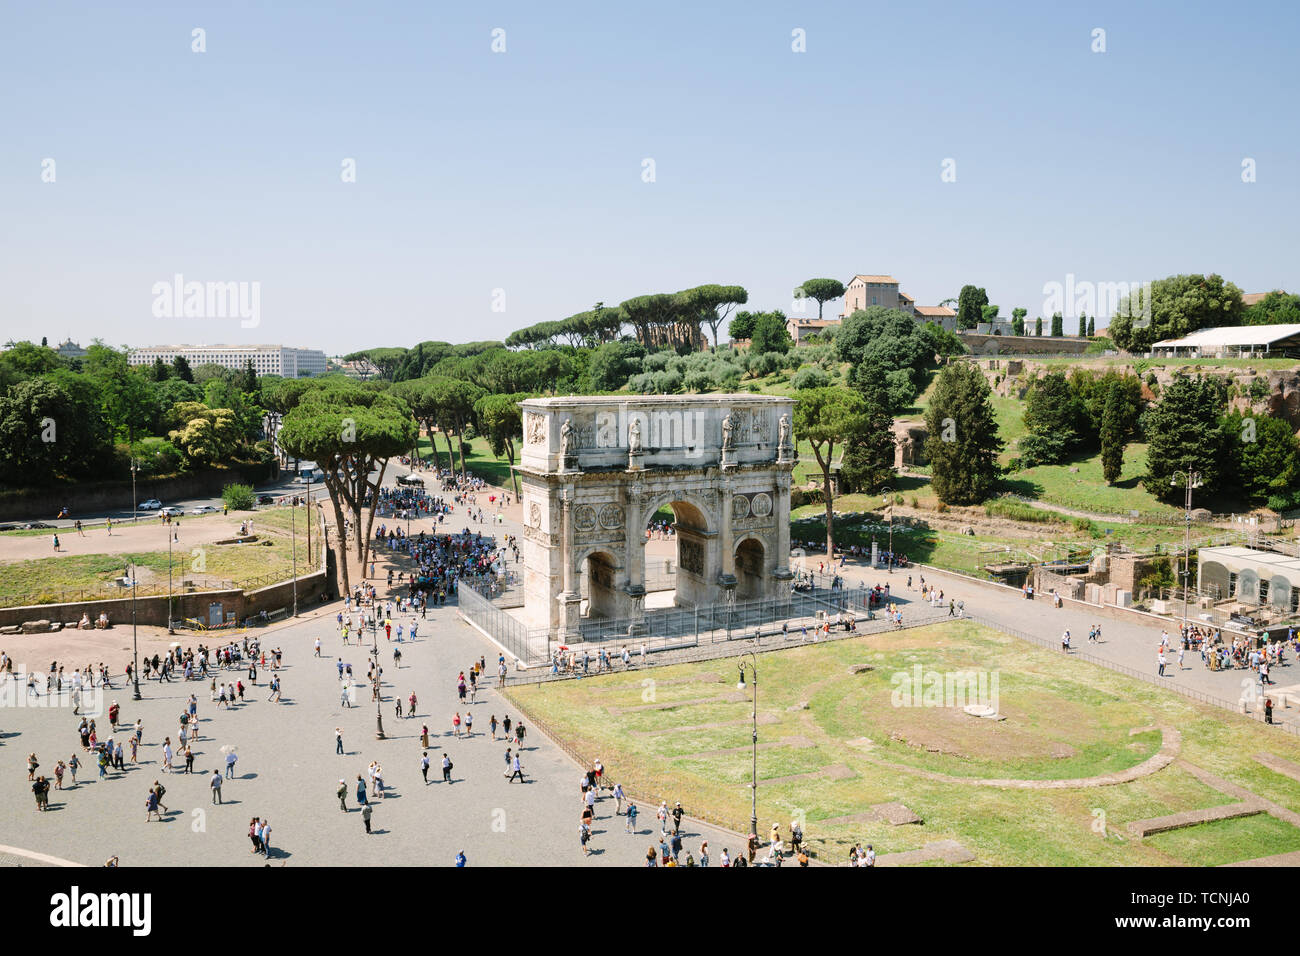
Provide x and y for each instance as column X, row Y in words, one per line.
column 1183, row 434
column 963, row 442
column 1113, row 434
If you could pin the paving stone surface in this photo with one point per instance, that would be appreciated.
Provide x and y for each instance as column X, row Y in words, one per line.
column 288, row 771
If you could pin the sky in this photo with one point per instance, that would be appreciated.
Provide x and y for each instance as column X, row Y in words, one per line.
column 498, row 188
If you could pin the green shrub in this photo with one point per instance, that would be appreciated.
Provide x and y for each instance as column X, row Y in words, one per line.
column 1017, row 511
column 810, row 376
column 157, row 456
column 806, row 496
column 1284, row 502
column 238, row 497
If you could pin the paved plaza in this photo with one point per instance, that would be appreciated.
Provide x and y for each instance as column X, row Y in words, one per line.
column 288, row 772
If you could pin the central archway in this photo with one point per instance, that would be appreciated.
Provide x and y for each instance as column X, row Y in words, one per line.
column 680, row 563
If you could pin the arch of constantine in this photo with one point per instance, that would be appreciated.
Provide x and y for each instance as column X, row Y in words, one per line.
column 595, row 469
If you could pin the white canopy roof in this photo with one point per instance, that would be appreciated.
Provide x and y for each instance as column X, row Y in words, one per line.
column 1233, row 336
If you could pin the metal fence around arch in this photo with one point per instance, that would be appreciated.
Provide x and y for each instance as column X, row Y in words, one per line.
column 664, row 628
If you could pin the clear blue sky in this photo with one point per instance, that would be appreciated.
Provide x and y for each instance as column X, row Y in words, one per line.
column 522, row 170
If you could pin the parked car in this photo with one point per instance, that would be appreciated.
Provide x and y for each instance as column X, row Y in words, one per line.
column 172, row 511
column 266, row 499
column 153, row 504
column 33, row 525
column 203, row 510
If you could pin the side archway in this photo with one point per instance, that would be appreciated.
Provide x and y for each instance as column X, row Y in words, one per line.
column 751, row 569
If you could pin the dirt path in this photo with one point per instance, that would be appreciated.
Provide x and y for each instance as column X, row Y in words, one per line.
column 149, row 534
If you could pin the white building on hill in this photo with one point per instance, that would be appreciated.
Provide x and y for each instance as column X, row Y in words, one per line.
column 1234, row 341
column 266, row 359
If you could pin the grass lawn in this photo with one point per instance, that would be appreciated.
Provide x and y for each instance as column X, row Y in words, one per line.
column 479, row 460
column 87, row 576
column 1086, row 489
column 1228, row 841
column 942, row 548
column 858, row 744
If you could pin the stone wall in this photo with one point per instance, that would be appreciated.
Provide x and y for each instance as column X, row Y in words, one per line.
column 195, row 604
column 1023, row 344
column 152, row 610
column 1127, row 569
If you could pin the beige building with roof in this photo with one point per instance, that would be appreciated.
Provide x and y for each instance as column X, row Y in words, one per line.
column 940, row 315
column 801, row 328
column 862, row 291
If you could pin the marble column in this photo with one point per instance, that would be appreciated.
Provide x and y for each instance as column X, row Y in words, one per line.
column 726, row 542
column 634, row 542
column 571, row 598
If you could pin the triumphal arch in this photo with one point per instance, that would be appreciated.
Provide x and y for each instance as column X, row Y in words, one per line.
column 595, row 469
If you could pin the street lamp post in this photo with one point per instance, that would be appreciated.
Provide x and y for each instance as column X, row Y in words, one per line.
column 887, row 491
column 293, row 538
column 170, row 629
column 1190, row 480
column 753, row 786
column 379, row 717
column 135, row 644
column 133, row 495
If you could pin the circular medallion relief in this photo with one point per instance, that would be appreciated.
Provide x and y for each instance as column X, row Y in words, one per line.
column 611, row 517
column 584, row 517
column 740, row 507
column 762, row 504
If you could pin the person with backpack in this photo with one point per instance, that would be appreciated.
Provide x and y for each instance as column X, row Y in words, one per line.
column 446, row 769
